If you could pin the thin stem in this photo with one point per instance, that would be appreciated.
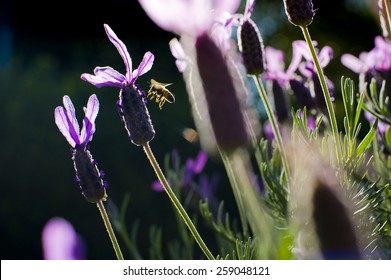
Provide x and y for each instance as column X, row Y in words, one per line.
column 236, row 192
column 109, row 229
column 273, row 122
column 176, row 202
column 326, row 92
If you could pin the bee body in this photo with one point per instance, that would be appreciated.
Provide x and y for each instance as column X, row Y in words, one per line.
column 160, row 93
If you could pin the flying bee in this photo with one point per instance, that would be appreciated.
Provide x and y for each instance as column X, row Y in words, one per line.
column 161, row 94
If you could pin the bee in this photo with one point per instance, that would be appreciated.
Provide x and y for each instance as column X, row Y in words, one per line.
column 161, row 94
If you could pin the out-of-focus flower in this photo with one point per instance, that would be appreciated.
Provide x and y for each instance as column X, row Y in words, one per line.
column 192, row 17
column 88, row 176
column 192, row 168
column 131, row 103
column 375, row 64
column 378, row 59
column 61, row 242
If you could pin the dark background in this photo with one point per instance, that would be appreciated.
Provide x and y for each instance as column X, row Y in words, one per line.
column 45, row 46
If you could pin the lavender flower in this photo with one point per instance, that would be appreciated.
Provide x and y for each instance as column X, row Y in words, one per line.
column 131, row 103
column 88, row 176
column 250, row 43
column 61, row 242
column 373, row 64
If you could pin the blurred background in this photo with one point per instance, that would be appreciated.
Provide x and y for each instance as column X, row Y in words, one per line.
column 45, row 46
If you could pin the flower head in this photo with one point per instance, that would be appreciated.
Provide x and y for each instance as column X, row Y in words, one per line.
column 131, row 103
column 68, row 125
column 107, row 76
column 299, row 12
column 88, row 176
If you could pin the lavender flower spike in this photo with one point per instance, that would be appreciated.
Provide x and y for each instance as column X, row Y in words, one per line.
column 131, row 105
column 88, row 176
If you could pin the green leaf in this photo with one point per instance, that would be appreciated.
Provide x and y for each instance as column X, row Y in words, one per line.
column 367, row 140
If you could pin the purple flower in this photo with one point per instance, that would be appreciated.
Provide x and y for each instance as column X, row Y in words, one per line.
column 107, row 76
column 378, row 59
column 88, row 176
column 68, row 125
column 300, row 51
column 192, row 168
column 131, row 103
column 275, row 66
column 61, row 242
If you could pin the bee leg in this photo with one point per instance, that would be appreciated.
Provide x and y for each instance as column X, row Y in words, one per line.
column 161, row 103
column 151, row 93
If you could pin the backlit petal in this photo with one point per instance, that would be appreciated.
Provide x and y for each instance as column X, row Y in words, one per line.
column 91, row 112
column 104, row 76
column 65, row 126
column 123, row 51
column 144, row 67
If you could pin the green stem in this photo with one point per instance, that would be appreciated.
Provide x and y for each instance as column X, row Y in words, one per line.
column 176, row 202
column 273, row 122
column 109, row 229
column 326, row 92
column 236, row 192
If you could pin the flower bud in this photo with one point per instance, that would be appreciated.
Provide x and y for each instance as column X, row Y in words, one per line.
column 251, row 47
column 88, row 175
column 135, row 115
column 299, row 12
column 221, row 95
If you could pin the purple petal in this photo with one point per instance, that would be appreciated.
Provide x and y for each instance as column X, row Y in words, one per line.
column 325, row 55
column 353, row 63
column 90, row 112
column 62, row 123
column 144, row 67
column 123, row 51
column 104, row 76
column 249, row 8
column 60, row 241
column 66, row 121
column 274, row 59
column 200, row 162
column 299, row 50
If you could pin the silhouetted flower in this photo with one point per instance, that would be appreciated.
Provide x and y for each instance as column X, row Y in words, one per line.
column 88, row 176
column 299, row 12
column 61, row 242
column 250, row 43
column 131, row 103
